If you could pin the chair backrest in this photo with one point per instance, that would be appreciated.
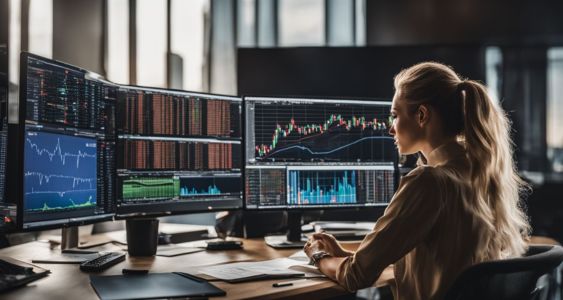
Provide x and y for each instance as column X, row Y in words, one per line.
column 513, row 279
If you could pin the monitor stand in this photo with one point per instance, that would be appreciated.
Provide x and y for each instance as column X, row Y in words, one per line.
column 294, row 237
column 69, row 238
column 68, row 254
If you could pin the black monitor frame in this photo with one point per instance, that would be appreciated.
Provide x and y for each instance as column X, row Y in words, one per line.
column 9, row 211
column 168, row 209
column 302, row 208
column 17, row 171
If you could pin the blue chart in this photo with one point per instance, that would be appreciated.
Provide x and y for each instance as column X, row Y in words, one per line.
column 59, row 171
column 210, row 190
column 205, row 186
column 322, row 187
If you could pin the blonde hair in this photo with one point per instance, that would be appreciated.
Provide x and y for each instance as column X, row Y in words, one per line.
column 483, row 128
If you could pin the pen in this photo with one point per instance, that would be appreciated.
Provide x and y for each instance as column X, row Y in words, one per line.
column 282, row 284
column 286, row 283
column 134, row 271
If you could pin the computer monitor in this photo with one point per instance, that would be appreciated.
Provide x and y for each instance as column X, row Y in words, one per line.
column 317, row 153
column 64, row 161
column 178, row 152
column 7, row 209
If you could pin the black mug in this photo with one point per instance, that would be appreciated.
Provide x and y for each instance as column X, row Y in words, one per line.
column 142, row 237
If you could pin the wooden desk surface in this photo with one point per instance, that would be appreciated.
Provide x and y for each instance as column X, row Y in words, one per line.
column 66, row 281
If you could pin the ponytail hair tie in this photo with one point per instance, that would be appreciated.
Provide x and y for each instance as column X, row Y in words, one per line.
column 462, row 85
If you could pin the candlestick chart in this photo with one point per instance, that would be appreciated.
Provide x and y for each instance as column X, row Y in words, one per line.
column 327, row 132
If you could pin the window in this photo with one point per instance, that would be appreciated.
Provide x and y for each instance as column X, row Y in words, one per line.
column 267, row 21
column 15, row 40
column 340, row 25
column 151, row 43
column 41, row 27
column 301, row 22
column 555, row 108
column 297, row 23
column 187, row 41
column 117, row 65
column 493, row 62
column 360, row 22
column 246, row 22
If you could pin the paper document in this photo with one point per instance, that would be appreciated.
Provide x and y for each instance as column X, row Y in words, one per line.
column 334, row 226
column 300, row 256
column 243, row 271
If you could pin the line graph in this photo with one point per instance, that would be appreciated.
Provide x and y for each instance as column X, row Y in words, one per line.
column 75, row 180
column 304, row 132
column 57, row 151
column 329, row 151
column 60, row 171
column 70, row 205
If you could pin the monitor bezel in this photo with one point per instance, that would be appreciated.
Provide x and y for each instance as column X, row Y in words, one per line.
column 52, row 224
column 202, row 207
column 359, row 100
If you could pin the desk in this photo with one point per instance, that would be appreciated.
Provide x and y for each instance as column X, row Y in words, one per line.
column 66, row 281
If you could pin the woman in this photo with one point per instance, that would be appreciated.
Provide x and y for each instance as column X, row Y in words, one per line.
column 459, row 207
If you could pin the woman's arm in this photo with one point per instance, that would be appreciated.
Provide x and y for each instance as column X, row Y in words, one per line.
column 329, row 265
column 409, row 218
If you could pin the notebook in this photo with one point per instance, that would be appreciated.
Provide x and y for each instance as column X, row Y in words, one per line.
column 151, row 286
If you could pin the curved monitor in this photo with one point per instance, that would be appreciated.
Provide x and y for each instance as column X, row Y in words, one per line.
column 178, row 152
column 318, row 153
column 89, row 150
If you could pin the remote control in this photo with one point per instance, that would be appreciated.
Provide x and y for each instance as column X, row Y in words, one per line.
column 224, row 245
column 103, row 262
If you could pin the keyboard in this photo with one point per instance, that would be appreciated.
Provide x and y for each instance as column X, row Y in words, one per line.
column 102, row 262
column 15, row 273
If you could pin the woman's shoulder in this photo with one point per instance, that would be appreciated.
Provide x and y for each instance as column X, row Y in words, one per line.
column 426, row 174
column 422, row 172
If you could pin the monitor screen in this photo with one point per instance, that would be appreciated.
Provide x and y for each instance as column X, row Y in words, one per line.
column 178, row 152
column 318, row 153
column 67, row 133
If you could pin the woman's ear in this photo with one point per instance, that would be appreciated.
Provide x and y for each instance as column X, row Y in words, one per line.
column 423, row 115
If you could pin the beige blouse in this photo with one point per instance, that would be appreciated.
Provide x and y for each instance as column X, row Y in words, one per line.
column 425, row 231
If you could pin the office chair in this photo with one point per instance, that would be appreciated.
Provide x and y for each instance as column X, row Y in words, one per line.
column 533, row 276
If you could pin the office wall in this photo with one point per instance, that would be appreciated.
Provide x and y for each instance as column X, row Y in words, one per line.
column 464, row 21
column 346, row 71
column 4, row 21
column 4, row 37
column 78, row 27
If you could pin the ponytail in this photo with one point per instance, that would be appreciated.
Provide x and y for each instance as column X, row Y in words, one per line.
column 489, row 150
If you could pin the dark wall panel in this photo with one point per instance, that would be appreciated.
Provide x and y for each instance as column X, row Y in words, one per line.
column 4, row 58
column 401, row 22
column 78, row 33
column 4, row 21
column 352, row 72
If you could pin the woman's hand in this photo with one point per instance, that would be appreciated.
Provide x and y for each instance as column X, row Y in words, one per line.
column 327, row 243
